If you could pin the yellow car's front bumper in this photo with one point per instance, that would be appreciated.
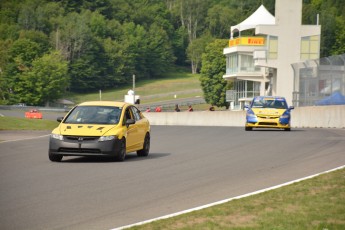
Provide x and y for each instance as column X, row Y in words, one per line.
column 262, row 122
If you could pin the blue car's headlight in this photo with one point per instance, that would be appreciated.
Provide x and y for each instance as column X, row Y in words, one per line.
column 56, row 136
column 106, row 138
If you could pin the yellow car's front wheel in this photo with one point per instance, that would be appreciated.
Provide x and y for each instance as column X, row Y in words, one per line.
column 122, row 151
column 248, row 128
column 55, row 157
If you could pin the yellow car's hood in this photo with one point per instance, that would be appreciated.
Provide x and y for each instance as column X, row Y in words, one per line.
column 268, row 111
column 84, row 129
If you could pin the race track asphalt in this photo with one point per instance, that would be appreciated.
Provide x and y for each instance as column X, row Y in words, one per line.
column 187, row 167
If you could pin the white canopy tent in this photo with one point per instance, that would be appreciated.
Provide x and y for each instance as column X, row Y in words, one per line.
column 260, row 17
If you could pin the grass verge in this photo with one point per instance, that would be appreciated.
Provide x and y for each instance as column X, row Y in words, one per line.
column 180, row 81
column 317, row 203
column 14, row 123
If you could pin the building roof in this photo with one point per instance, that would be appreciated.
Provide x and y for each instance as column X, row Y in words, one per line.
column 260, row 17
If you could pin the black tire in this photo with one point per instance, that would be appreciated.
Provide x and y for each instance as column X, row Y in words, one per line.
column 146, row 148
column 55, row 157
column 122, row 151
column 287, row 129
column 248, row 128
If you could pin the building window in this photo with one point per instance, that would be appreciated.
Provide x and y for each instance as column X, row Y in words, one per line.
column 231, row 64
column 240, row 63
column 310, row 47
column 247, row 63
column 272, row 47
column 253, row 89
column 245, row 90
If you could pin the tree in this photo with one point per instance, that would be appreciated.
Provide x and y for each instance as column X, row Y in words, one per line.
column 19, row 56
column 51, row 74
column 45, row 82
column 105, row 42
column 212, row 71
column 195, row 50
column 98, row 25
column 31, row 76
column 192, row 14
column 159, row 53
column 219, row 19
column 4, row 59
column 8, row 31
column 135, row 40
column 339, row 45
column 24, row 51
column 116, row 60
column 47, row 16
column 4, row 53
column 73, row 35
column 88, row 72
column 38, row 37
column 180, row 44
column 27, row 18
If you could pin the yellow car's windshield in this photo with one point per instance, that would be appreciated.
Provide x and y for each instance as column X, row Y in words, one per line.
column 269, row 103
column 94, row 115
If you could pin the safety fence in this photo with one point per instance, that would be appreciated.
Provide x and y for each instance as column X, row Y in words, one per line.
column 319, row 82
column 332, row 116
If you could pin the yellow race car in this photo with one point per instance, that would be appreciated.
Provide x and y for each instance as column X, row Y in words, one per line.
column 100, row 128
column 268, row 112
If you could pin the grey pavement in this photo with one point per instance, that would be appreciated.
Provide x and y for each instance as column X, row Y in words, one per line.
column 12, row 135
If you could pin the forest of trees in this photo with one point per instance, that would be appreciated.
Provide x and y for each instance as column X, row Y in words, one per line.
column 48, row 48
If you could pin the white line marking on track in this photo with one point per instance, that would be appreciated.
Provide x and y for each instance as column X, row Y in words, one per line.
column 226, row 200
column 29, row 138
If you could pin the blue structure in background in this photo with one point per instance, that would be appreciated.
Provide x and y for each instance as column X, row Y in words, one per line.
column 335, row 98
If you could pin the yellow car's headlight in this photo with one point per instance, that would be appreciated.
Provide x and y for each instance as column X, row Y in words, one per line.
column 107, row 138
column 56, row 136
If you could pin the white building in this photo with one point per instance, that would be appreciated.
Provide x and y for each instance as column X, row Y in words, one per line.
column 261, row 64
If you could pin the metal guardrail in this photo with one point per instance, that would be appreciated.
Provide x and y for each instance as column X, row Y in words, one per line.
column 25, row 108
column 170, row 105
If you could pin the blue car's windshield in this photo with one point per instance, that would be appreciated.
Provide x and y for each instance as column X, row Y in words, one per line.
column 269, row 103
column 94, row 115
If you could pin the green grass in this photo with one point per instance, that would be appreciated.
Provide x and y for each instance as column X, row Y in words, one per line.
column 180, row 81
column 14, row 123
column 317, row 203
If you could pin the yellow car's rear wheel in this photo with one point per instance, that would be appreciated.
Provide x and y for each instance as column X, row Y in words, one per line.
column 146, row 148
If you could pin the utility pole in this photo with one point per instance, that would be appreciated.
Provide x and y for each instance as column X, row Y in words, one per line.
column 133, row 89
